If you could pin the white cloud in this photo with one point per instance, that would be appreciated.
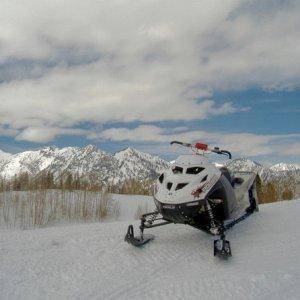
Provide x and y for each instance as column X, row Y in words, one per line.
column 141, row 133
column 121, row 61
column 247, row 144
column 291, row 149
column 47, row 134
column 4, row 131
column 77, row 95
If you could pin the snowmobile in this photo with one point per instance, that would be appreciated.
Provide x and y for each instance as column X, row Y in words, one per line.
column 195, row 192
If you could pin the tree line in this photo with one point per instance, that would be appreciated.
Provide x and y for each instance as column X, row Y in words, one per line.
column 68, row 181
column 270, row 191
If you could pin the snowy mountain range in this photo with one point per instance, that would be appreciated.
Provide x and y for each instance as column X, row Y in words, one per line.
column 278, row 171
column 88, row 161
column 129, row 163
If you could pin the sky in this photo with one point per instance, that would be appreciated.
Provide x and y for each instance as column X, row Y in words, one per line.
column 141, row 73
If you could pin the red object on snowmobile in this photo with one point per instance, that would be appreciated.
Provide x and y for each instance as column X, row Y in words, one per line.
column 201, row 146
column 196, row 192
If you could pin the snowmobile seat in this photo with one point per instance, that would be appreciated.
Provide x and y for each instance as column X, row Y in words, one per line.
column 238, row 180
column 233, row 180
column 226, row 173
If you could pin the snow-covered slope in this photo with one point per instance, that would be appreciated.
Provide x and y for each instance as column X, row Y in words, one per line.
column 93, row 261
column 134, row 163
column 87, row 161
column 243, row 164
column 285, row 167
column 28, row 161
column 4, row 157
column 278, row 171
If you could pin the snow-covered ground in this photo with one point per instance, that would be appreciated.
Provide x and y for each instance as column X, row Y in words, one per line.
column 93, row 262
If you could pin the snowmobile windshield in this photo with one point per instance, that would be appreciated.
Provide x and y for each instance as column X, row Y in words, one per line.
column 194, row 170
column 161, row 178
column 177, row 170
column 180, row 186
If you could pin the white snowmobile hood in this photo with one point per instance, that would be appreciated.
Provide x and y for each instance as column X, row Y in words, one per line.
column 187, row 174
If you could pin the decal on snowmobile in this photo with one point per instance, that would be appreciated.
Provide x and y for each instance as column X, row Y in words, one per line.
column 192, row 204
column 168, row 206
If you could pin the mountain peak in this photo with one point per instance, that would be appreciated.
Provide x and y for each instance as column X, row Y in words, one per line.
column 49, row 149
column 91, row 148
column 128, row 150
column 285, row 167
column 243, row 164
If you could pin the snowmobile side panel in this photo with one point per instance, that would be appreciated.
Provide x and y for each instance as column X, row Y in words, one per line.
column 224, row 190
column 242, row 194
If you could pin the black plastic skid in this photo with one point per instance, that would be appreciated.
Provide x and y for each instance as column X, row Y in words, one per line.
column 137, row 241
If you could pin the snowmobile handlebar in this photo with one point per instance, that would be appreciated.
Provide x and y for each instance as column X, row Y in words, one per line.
column 181, row 143
column 203, row 147
column 223, row 152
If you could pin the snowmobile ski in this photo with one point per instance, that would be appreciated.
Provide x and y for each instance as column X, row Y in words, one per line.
column 137, row 241
column 222, row 248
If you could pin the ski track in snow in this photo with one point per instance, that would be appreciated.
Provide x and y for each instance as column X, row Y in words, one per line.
column 93, row 262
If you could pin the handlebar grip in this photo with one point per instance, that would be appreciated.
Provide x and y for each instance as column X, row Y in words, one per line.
column 224, row 152
column 227, row 152
column 176, row 142
column 181, row 143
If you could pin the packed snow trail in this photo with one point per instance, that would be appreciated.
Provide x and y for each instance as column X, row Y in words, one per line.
column 93, row 262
